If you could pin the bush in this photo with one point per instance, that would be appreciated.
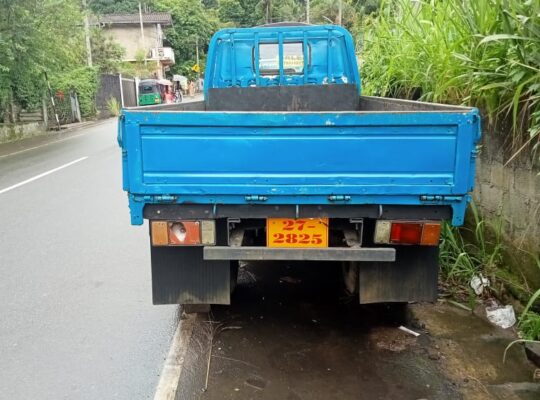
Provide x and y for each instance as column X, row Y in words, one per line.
column 84, row 81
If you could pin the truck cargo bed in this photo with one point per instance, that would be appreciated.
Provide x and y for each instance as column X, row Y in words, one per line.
column 239, row 147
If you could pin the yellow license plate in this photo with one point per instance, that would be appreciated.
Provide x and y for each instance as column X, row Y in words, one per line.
column 289, row 232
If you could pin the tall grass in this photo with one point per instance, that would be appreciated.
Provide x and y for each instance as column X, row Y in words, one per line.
column 465, row 252
column 478, row 249
column 484, row 53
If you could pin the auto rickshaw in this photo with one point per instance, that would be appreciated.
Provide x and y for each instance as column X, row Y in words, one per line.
column 153, row 91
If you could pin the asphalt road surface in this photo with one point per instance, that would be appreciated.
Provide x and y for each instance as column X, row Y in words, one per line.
column 77, row 320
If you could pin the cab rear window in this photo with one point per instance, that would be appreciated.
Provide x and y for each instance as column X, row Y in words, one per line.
column 293, row 58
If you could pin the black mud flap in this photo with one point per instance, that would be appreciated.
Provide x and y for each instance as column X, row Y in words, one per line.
column 412, row 277
column 181, row 276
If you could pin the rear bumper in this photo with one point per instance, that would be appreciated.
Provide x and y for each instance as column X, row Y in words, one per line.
column 295, row 254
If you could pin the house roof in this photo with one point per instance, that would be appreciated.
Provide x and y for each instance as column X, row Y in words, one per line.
column 162, row 18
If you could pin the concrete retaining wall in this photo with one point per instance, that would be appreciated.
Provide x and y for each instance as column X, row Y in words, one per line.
column 12, row 132
column 510, row 193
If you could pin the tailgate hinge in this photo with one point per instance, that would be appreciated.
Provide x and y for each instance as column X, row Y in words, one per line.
column 436, row 198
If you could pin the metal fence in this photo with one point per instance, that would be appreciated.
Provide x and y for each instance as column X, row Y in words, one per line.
column 66, row 107
column 115, row 86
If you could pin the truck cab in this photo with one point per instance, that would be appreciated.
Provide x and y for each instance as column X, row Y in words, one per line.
column 285, row 159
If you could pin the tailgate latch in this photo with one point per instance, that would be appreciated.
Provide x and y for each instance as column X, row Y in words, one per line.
column 256, row 197
column 436, row 198
column 339, row 197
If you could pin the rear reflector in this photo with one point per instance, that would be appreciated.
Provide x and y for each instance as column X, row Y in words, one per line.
column 408, row 232
column 183, row 233
column 431, row 234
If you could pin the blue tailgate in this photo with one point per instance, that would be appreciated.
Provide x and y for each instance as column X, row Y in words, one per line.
column 299, row 158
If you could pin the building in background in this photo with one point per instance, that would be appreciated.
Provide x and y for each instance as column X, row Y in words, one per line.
column 141, row 34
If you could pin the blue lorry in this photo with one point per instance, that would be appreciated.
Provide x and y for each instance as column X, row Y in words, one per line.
column 284, row 159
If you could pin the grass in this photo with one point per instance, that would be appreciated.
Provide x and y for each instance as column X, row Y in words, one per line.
column 529, row 321
column 484, row 53
column 113, row 106
column 478, row 249
column 465, row 252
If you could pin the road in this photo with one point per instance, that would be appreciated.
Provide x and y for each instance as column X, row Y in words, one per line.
column 290, row 334
column 75, row 293
column 78, row 323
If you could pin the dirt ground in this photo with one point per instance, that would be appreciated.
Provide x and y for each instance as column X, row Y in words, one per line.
column 291, row 334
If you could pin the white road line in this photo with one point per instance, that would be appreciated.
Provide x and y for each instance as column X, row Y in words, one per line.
column 172, row 369
column 34, row 178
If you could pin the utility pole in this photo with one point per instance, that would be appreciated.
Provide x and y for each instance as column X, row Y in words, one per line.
column 307, row 11
column 197, row 58
column 268, row 11
column 87, row 35
column 142, row 32
column 340, row 12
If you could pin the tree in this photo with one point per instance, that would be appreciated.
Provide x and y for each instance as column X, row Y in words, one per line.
column 106, row 53
column 37, row 36
column 328, row 11
column 192, row 25
column 240, row 13
column 118, row 6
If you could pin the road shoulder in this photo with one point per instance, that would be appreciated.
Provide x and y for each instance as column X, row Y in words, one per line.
column 51, row 137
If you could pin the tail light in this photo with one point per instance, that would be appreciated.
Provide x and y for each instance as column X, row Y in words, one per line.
column 425, row 233
column 183, row 233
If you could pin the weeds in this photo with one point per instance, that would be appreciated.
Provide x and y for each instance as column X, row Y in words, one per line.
column 529, row 321
column 113, row 106
column 465, row 252
column 484, row 53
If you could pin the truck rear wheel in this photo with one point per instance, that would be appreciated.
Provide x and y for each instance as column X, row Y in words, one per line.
column 349, row 273
column 235, row 264
column 196, row 308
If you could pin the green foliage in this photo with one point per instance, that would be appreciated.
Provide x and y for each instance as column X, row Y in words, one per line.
column 139, row 67
column 192, row 24
column 113, row 106
column 477, row 52
column 36, row 36
column 465, row 252
column 82, row 80
column 529, row 321
column 106, row 53
column 117, row 6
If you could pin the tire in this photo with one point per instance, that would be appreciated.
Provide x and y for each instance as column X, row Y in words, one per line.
column 196, row 308
column 235, row 264
column 349, row 271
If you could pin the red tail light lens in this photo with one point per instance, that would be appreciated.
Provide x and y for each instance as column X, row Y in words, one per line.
column 406, row 233
column 424, row 233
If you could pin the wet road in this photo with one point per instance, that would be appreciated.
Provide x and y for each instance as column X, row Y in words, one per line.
column 290, row 334
column 75, row 292
column 77, row 319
